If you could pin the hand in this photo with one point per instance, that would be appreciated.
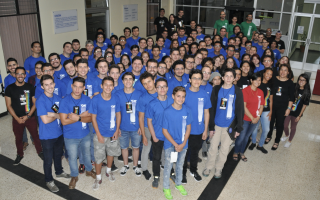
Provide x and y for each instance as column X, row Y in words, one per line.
column 24, row 118
column 145, row 141
column 20, row 120
column 297, row 119
column 204, row 135
column 100, row 139
column 255, row 120
column 85, row 114
column 119, row 133
column 73, row 117
column 139, row 131
column 115, row 135
column 179, row 148
column 236, row 135
column 155, row 139
column 287, row 112
column 269, row 116
column 211, row 133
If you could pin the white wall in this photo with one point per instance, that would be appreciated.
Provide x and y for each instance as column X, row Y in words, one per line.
column 3, row 70
column 54, row 42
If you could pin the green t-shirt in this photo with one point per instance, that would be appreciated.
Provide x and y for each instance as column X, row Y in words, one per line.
column 248, row 29
column 230, row 29
column 219, row 24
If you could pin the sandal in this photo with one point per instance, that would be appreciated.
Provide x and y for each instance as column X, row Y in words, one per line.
column 275, row 146
column 235, row 157
column 267, row 140
column 243, row 158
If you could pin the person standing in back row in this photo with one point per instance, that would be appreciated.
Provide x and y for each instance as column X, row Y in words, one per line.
column 221, row 23
column 161, row 22
column 248, row 28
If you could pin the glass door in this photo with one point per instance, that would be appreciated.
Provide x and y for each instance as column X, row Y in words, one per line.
column 313, row 42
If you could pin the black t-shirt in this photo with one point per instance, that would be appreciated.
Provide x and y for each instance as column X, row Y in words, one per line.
column 188, row 30
column 265, row 87
column 283, row 92
column 21, row 98
column 271, row 38
column 298, row 104
column 280, row 44
column 181, row 21
column 243, row 82
column 161, row 23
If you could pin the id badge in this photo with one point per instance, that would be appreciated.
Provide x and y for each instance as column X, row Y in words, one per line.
column 76, row 110
column 55, row 108
column 174, row 157
column 279, row 92
column 223, row 104
column 129, row 107
column 85, row 92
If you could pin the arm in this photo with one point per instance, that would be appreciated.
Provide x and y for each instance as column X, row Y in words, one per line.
column 247, row 112
column 50, row 117
column 281, row 50
column 289, row 108
column 65, row 120
column 186, row 137
column 11, row 111
column 270, row 105
column 206, row 124
column 155, row 27
column 141, row 124
column 33, row 108
column 96, row 128
column 301, row 113
column 118, row 121
column 215, row 31
column 168, row 136
column 151, row 129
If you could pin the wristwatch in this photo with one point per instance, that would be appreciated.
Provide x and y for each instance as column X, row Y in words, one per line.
column 79, row 118
column 28, row 116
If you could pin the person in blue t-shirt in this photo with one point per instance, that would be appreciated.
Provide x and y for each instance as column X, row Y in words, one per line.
column 162, row 70
column 199, row 103
column 200, row 35
column 276, row 52
column 55, row 61
column 227, row 109
column 107, row 42
column 70, row 68
column 114, row 72
column 178, row 78
column 189, row 63
column 30, row 62
column 156, row 53
column 114, row 41
column 154, row 114
column 102, row 68
column 167, row 42
column 137, row 71
column 197, row 60
column 176, row 127
column 67, row 50
column 75, row 117
column 223, row 34
column 181, row 37
column 123, row 42
column 50, row 131
column 205, row 85
column 134, row 51
column 163, row 51
column 100, row 37
column 35, row 79
column 84, row 53
column 147, row 80
column 75, row 47
column 230, row 52
column 265, row 45
column 106, row 117
column 59, row 88
column 134, row 40
column 117, row 53
column 129, row 126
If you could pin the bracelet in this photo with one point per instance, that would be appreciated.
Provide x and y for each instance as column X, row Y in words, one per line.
column 289, row 108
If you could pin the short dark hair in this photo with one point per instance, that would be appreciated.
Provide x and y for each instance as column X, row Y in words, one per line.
column 11, row 59
column 159, row 80
column 114, row 36
column 100, row 29
column 187, row 57
column 161, row 9
column 45, row 77
column 137, row 58
column 75, row 41
column 35, row 42
column 39, row 62
column 100, row 61
column 126, row 28
column 203, row 49
column 155, row 47
column 207, row 59
column 232, row 46
column 174, row 49
column 53, row 54
column 145, row 75
column 82, row 60
column 134, row 47
column 46, row 65
column 64, row 44
column 15, row 71
column 178, row 89
column 79, row 79
column 99, row 33
column 159, row 37
column 128, row 74
column 228, row 70
column 135, row 27
column 107, row 78
column 124, row 37
column 195, row 71
column 83, row 50
column 114, row 66
column 75, row 56
column 142, row 39
column 255, row 76
column 152, row 61
column 67, row 62
column 178, row 62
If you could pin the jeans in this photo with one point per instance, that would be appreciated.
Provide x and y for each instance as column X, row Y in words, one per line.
column 72, row 146
column 157, row 151
column 125, row 138
column 52, row 150
column 194, row 146
column 168, row 166
column 25, row 136
column 278, row 118
column 265, row 123
column 293, row 126
column 92, row 134
column 243, row 138
column 146, row 151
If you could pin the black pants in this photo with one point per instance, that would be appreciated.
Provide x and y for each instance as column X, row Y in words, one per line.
column 277, row 117
column 194, row 146
column 156, row 151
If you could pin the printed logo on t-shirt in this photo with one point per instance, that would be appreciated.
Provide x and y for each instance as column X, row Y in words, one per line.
column 296, row 103
column 184, row 126
column 161, row 22
column 62, row 76
column 266, row 102
column 133, row 114
column 89, row 87
column 83, row 109
column 259, row 102
column 112, row 117
column 25, row 100
column 279, row 91
column 56, row 91
column 200, row 109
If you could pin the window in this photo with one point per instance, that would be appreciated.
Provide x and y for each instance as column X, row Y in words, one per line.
column 153, row 7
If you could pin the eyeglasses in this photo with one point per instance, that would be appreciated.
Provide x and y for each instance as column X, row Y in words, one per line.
column 230, row 50
column 98, row 51
column 54, row 59
column 268, row 61
column 302, row 80
column 188, row 62
column 100, row 36
column 161, row 87
column 152, row 67
column 248, row 45
column 206, row 72
column 199, row 58
column 48, row 70
column 20, row 74
column 122, row 40
column 217, row 46
column 196, row 79
column 230, row 62
column 161, row 67
column 179, row 69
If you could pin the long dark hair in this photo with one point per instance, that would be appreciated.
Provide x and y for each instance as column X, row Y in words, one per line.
column 264, row 54
column 306, row 90
column 270, row 82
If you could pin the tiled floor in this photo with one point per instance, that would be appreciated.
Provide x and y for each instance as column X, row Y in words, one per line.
column 292, row 173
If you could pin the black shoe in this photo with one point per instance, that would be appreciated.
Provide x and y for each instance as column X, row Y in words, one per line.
column 146, row 174
column 114, row 168
column 188, row 165
column 17, row 160
column 120, row 159
column 196, row 176
column 82, row 168
column 41, row 155
column 252, row 146
column 155, row 182
column 173, row 177
column 262, row 149
column 199, row 160
column 205, row 155
column 184, row 179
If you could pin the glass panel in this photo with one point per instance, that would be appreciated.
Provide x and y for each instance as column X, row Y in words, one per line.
column 7, row 8
column 285, row 23
column 297, row 51
column 152, row 13
column 212, row 3
column 95, row 3
column 315, row 36
column 287, row 6
column 93, row 22
column 273, row 5
column 301, row 23
column 246, row 3
column 302, row 7
column 208, row 31
column 208, row 16
column 317, row 9
column 313, row 54
column 269, row 20
column 190, row 13
column 27, row 6
column 188, row 2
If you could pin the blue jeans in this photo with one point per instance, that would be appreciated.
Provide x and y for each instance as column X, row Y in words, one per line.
column 168, row 167
column 243, row 138
column 72, row 146
column 265, row 123
column 125, row 138
column 25, row 136
column 52, row 150
column 92, row 134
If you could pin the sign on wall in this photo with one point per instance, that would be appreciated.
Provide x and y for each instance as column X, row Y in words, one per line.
column 130, row 13
column 65, row 21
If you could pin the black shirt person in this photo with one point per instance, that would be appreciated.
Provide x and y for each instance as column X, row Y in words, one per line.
column 161, row 22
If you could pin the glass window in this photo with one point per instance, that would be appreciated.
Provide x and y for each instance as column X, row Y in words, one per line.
column 304, row 7
column 285, row 23
column 246, row 3
column 95, row 3
column 190, row 13
column 208, row 31
column 287, row 6
column 273, row 5
column 315, row 37
column 208, row 16
column 297, row 51
column 212, row 3
column 187, row 2
column 301, row 23
column 313, row 54
column 317, row 9
column 269, row 20
column 93, row 22
column 152, row 14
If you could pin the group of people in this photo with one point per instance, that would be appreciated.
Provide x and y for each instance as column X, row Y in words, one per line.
column 168, row 100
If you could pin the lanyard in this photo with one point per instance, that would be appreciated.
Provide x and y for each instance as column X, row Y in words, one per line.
column 161, row 103
column 128, row 100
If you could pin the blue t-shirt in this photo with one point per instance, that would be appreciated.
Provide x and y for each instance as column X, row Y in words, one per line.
column 256, row 44
column 106, row 114
column 164, row 52
column 199, row 67
column 103, row 48
column 155, row 111
column 66, row 80
column 131, row 41
column 63, row 58
column 143, row 102
column 61, row 74
column 221, row 118
column 59, row 89
column 207, row 88
column 8, row 80
column 211, row 53
column 182, row 40
column 106, row 42
column 173, row 82
column 167, row 44
column 127, row 51
column 90, row 84
column 200, row 37
column 260, row 52
column 277, row 54
column 78, row 129
column 176, row 121
column 129, row 121
column 197, row 102
column 225, row 41
column 30, row 64
column 258, row 69
column 91, row 64
column 53, row 129
column 115, row 59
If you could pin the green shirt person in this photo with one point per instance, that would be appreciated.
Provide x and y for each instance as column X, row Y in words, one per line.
column 231, row 26
column 222, row 22
column 248, row 28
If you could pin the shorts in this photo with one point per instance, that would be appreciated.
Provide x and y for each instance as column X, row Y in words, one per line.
column 101, row 150
column 125, row 139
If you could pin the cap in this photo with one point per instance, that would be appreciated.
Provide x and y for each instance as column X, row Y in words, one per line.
column 214, row 74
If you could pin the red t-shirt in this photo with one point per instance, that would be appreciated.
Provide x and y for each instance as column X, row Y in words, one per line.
column 254, row 100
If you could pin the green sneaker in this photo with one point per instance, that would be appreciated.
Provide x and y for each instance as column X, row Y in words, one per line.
column 182, row 191
column 167, row 193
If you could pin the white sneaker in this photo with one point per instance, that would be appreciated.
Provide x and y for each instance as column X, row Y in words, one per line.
column 284, row 138
column 137, row 171
column 124, row 170
column 96, row 184
column 287, row 144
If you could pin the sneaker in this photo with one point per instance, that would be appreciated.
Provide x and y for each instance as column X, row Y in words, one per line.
column 146, row 174
column 52, row 187
column 114, row 168
column 104, row 164
column 17, row 160
column 173, row 177
column 283, row 139
column 206, row 172
column 92, row 173
column 262, row 149
column 162, row 167
column 199, row 160
column 196, row 176
column 155, row 182
column 120, row 159
column 217, row 175
column 137, row 171
column 110, row 176
column 252, row 146
column 184, row 179
column 96, row 184
column 82, row 168
column 167, row 193
column 287, row 144
column 124, row 170
column 41, row 155
column 92, row 163
column 205, row 155
column 139, row 164
column 181, row 189
column 25, row 145
column 63, row 175
column 73, row 182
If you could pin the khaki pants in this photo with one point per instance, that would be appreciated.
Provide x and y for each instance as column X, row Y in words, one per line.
column 220, row 135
